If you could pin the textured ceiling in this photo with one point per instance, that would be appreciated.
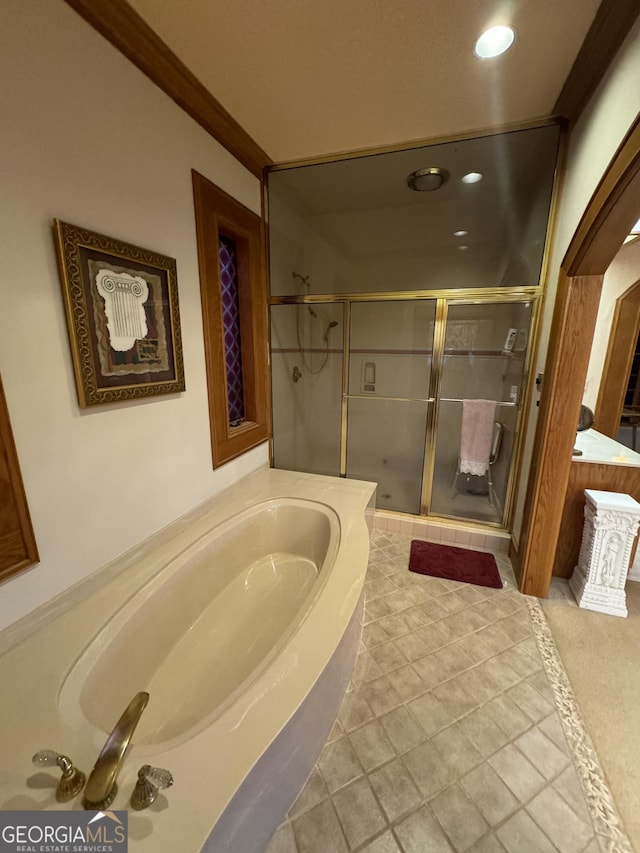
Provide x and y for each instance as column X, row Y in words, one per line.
column 314, row 77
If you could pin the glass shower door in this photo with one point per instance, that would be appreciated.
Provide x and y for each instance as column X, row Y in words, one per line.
column 480, row 395
column 390, row 356
column 306, row 386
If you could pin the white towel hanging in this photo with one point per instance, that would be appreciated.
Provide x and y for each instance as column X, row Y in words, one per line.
column 476, row 436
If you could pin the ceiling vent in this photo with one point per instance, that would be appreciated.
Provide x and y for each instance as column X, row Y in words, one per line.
column 427, row 180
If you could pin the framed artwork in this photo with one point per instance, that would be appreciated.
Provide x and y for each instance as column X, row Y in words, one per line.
column 121, row 303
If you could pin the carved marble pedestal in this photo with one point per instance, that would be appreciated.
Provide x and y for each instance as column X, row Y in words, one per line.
column 610, row 526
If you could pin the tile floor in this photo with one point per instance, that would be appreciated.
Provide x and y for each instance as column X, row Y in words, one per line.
column 448, row 738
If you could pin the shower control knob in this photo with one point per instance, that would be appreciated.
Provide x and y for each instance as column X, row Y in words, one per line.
column 150, row 780
column 72, row 781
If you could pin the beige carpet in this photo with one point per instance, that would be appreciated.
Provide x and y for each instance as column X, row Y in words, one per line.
column 601, row 655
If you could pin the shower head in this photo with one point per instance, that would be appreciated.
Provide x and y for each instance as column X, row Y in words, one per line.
column 330, row 326
column 303, row 280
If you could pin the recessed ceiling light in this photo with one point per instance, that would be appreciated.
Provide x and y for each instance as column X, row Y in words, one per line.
column 462, row 248
column 460, row 233
column 472, row 178
column 493, row 42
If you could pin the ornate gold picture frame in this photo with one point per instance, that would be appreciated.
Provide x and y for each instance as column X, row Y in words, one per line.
column 121, row 304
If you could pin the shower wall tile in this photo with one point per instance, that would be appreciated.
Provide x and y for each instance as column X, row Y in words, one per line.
column 432, row 533
column 448, row 534
column 497, row 543
column 477, row 540
column 462, row 538
column 382, row 521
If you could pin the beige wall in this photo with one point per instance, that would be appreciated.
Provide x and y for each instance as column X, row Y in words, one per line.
column 86, row 138
column 592, row 145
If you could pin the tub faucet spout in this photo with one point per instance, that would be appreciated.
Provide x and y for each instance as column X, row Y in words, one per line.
column 101, row 788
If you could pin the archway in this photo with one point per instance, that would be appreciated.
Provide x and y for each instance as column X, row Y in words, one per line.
column 609, row 216
column 623, row 340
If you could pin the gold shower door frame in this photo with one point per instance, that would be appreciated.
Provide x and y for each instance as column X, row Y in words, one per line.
column 443, row 299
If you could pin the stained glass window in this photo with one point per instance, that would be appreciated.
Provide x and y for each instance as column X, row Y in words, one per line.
column 228, row 256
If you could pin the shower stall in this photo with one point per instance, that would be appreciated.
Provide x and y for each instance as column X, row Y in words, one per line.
column 397, row 305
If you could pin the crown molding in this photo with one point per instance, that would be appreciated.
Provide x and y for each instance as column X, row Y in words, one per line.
column 121, row 25
column 608, row 30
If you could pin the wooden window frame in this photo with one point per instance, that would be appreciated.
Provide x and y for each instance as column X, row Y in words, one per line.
column 218, row 213
column 18, row 550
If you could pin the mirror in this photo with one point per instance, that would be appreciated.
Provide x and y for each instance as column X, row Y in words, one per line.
column 615, row 343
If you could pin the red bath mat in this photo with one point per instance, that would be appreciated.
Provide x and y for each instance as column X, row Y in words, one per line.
column 454, row 564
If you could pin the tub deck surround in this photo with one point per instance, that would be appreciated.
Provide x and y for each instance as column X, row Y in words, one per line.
column 58, row 672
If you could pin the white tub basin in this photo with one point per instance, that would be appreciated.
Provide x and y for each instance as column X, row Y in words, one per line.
column 208, row 624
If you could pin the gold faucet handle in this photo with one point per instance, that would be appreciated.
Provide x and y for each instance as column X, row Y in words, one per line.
column 150, row 780
column 72, row 781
